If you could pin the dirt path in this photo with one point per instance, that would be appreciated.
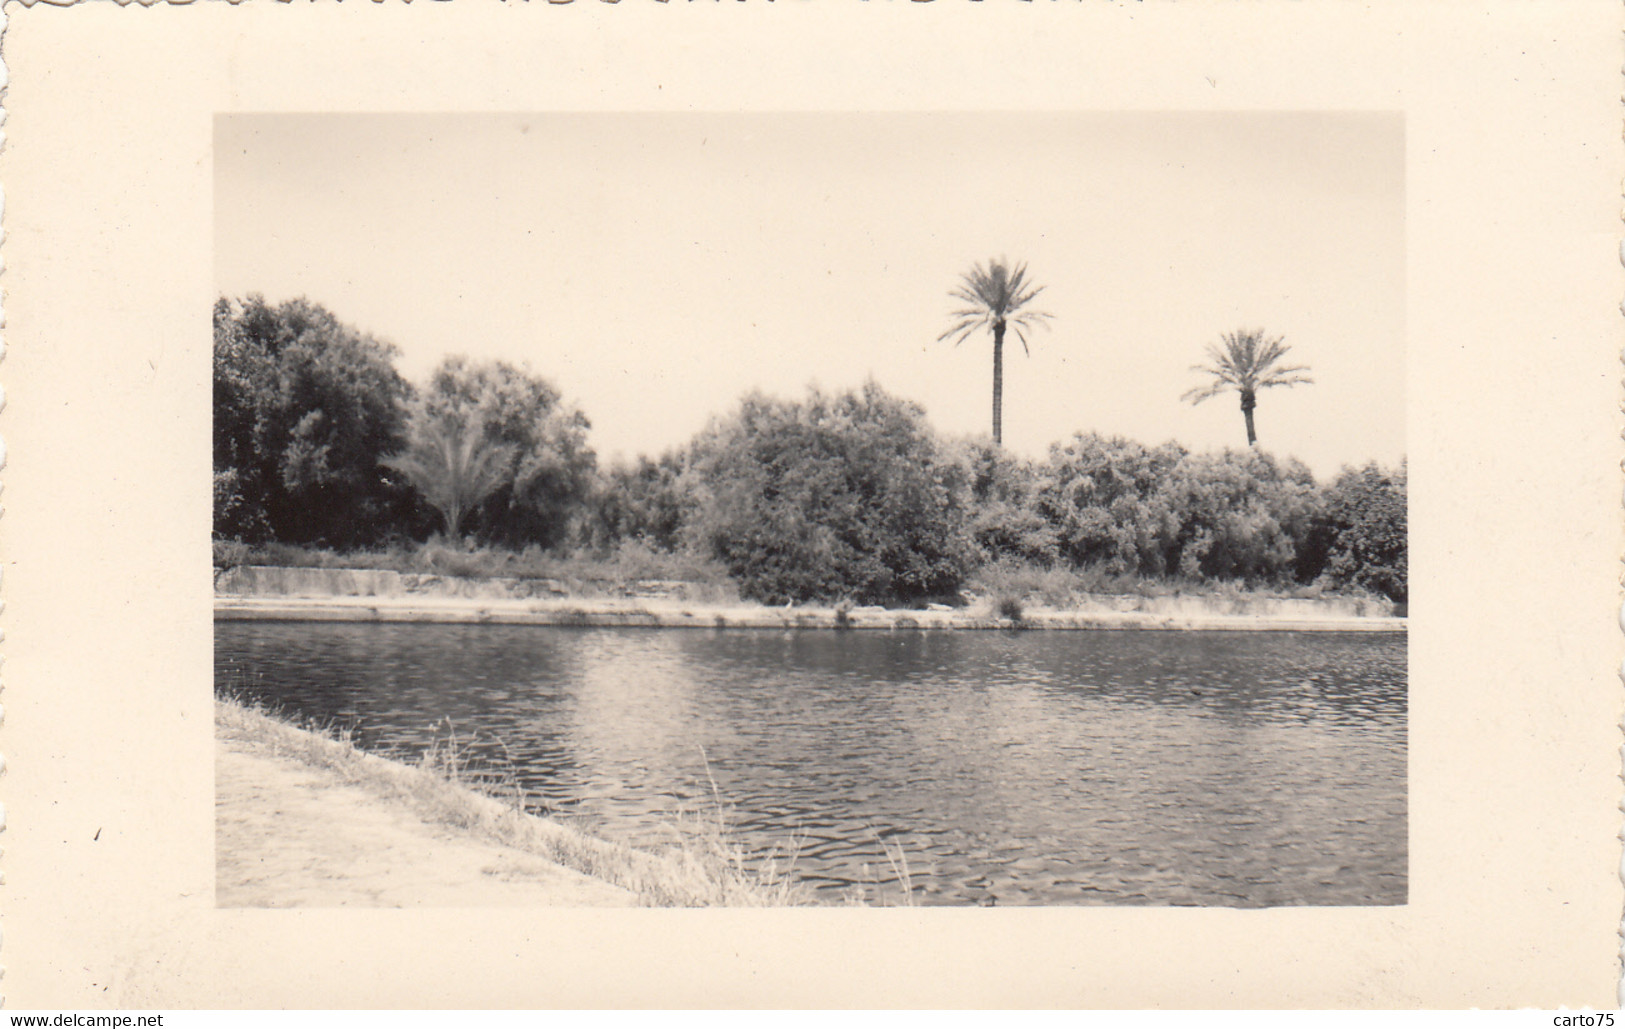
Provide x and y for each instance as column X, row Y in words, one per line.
column 290, row 835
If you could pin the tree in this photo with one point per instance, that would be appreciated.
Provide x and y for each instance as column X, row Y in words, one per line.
column 1125, row 508
column 452, row 464
column 304, row 408
column 1241, row 515
column 548, row 469
column 844, row 496
column 998, row 296
column 1248, row 363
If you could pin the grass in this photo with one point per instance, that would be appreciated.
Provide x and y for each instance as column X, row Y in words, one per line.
column 876, row 892
column 705, row 866
column 1062, row 586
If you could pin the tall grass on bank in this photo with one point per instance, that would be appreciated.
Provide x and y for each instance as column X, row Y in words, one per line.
column 875, row 892
column 1063, row 586
column 704, row 867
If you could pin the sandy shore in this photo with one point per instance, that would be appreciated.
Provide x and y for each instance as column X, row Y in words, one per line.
column 304, row 819
column 1286, row 616
column 292, row 834
column 288, row 835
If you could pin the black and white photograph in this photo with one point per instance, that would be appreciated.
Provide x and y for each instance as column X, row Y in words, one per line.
column 681, row 509
column 810, row 509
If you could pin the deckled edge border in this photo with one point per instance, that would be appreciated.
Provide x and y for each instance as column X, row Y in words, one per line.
column 5, row 84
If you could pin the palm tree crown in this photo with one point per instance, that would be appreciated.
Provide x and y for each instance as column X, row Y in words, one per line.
column 453, row 465
column 1248, row 362
column 997, row 296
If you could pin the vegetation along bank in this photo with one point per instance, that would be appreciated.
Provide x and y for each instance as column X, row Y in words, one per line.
column 324, row 455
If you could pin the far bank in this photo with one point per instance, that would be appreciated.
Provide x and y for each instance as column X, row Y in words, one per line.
column 265, row 593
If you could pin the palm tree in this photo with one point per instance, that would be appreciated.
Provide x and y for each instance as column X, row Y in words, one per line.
column 998, row 296
column 1248, row 363
column 450, row 461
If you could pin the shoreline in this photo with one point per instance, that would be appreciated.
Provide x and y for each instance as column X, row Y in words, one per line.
column 669, row 614
column 304, row 819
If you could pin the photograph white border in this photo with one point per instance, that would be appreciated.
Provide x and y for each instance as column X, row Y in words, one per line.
column 1513, row 142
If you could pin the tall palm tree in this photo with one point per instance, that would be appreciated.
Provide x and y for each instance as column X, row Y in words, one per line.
column 998, row 296
column 1248, row 363
column 451, row 462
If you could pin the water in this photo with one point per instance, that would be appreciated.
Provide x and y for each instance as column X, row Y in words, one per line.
column 1242, row 769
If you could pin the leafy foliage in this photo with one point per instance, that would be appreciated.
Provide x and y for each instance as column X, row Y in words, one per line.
column 1366, row 526
column 997, row 297
column 1006, row 521
column 1124, row 509
column 1241, row 515
column 843, row 496
column 304, row 407
column 1109, row 503
column 647, row 502
column 546, row 476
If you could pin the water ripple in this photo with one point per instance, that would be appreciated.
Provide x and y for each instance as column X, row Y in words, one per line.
column 1243, row 769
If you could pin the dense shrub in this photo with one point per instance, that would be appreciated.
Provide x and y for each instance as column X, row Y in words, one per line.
column 1126, row 509
column 1109, row 502
column 646, row 502
column 844, row 496
column 1364, row 525
column 1005, row 520
column 1241, row 515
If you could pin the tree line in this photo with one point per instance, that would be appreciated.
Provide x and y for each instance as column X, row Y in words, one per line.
column 319, row 441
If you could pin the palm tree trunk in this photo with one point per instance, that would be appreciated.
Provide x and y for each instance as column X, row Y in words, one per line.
column 998, row 383
column 1248, row 402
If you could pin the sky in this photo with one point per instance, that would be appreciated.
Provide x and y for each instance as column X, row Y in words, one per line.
column 657, row 266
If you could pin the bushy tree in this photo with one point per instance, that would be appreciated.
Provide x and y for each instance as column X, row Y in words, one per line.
column 1365, row 522
column 1242, row 515
column 843, row 496
column 548, row 469
column 1005, row 520
column 1109, row 502
column 1125, row 508
column 305, row 406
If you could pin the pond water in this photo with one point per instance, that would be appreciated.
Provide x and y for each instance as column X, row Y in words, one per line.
column 1152, row 768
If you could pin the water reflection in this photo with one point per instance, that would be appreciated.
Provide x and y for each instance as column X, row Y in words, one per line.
column 1032, row 768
